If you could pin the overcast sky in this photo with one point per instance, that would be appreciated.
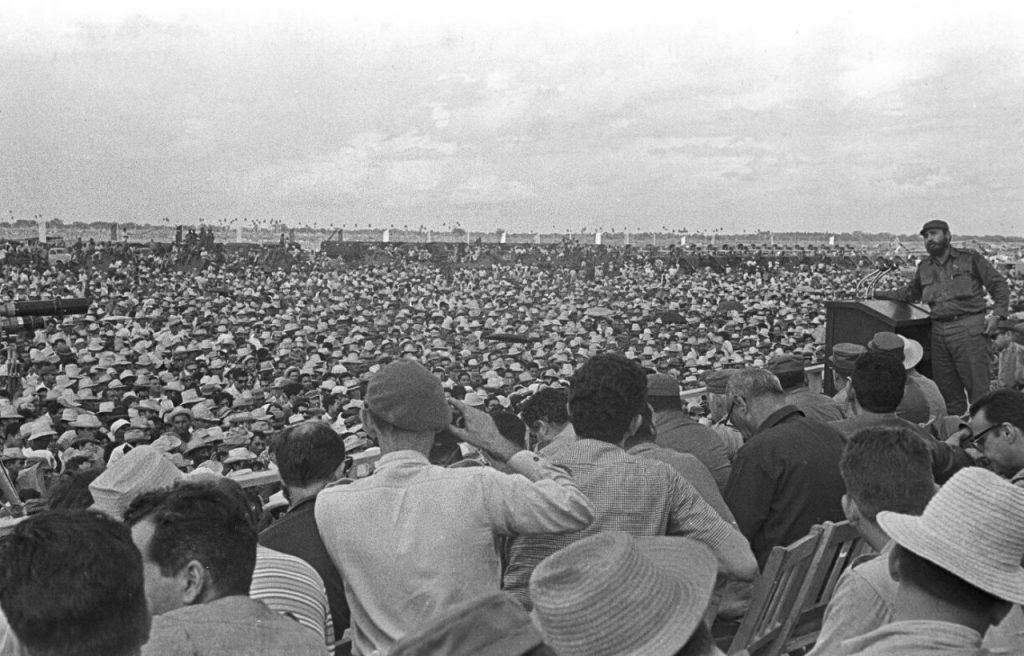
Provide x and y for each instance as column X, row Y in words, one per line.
column 538, row 116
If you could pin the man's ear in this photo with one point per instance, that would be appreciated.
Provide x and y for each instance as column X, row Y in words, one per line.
column 634, row 426
column 851, row 509
column 195, row 582
column 894, row 565
column 366, row 419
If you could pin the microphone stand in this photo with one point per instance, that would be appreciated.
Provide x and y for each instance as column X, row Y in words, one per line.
column 856, row 291
column 881, row 274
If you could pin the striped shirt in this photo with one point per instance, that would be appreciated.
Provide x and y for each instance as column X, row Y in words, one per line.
column 290, row 586
column 641, row 496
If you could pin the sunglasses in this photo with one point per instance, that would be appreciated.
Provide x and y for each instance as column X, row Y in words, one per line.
column 978, row 441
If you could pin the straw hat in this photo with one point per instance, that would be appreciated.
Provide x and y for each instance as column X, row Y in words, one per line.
column 240, row 454
column 965, row 530
column 913, row 352
column 612, row 594
column 140, row 470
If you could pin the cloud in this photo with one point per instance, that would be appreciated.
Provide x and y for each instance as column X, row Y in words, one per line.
column 490, row 190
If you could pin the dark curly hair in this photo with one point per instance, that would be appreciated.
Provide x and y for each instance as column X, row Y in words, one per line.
column 605, row 394
column 548, row 403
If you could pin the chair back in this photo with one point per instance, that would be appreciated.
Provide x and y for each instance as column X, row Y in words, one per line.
column 775, row 597
column 840, row 545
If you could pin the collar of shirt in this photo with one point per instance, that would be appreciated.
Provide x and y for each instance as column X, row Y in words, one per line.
column 404, row 456
column 642, row 447
column 1018, row 478
column 308, row 501
column 779, row 416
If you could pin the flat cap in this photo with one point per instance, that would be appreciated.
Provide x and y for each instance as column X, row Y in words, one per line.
column 717, row 380
column 786, row 364
column 409, row 397
column 662, row 385
column 934, row 224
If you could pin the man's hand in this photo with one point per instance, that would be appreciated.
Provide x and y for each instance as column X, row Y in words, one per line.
column 990, row 324
column 481, row 432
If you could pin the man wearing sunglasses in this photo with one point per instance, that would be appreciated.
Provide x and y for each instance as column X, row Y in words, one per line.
column 997, row 432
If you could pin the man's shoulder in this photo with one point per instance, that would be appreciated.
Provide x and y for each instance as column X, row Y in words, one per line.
column 798, row 426
column 872, row 574
column 295, row 522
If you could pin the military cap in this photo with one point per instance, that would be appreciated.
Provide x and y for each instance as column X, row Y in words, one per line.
column 934, row 224
column 844, row 357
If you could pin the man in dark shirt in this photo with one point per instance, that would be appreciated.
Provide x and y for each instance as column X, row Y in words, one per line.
column 786, row 478
column 675, row 430
column 792, row 374
column 309, row 456
column 953, row 283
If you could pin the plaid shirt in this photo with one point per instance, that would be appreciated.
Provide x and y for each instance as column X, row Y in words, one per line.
column 641, row 496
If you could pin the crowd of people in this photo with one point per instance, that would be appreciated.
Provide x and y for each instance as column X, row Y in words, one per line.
column 411, row 451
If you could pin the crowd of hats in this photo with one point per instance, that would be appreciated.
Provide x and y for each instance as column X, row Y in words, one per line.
column 231, row 352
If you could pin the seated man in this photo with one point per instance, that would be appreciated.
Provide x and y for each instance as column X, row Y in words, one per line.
column 71, row 583
column 997, row 428
column 309, row 457
column 198, row 547
column 616, row 595
column 792, row 374
column 883, row 468
column 914, row 404
column 844, row 356
column 674, row 429
column 415, row 538
column 547, row 418
column 878, row 385
column 785, row 479
column 637, row 495
column 957, row 567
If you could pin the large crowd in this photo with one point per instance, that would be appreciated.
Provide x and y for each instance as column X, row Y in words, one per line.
column 210, row 395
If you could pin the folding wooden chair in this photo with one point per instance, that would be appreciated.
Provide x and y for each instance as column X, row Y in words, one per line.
column 775, row 597
column 840, row 545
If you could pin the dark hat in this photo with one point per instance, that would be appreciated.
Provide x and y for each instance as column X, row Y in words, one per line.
column 662, row 385
column 844, row 357
column 888, row 343
column 408, row 396
column 493, row 625
column 717, row 380
column 786, row 364
column 934, row 224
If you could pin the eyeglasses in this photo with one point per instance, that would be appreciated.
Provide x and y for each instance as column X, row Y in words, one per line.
column 978, row 441
column 726, row 419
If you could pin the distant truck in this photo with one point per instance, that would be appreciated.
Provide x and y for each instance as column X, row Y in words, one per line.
column 58, row 254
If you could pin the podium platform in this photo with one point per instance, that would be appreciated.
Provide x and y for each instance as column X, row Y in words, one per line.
column 856, row 321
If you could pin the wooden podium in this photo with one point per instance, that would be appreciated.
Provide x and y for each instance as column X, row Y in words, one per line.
column 857, row 322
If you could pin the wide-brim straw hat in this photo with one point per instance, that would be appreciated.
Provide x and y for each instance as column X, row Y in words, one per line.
column 612, row 594
column 913, row 352
column 972, row 529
